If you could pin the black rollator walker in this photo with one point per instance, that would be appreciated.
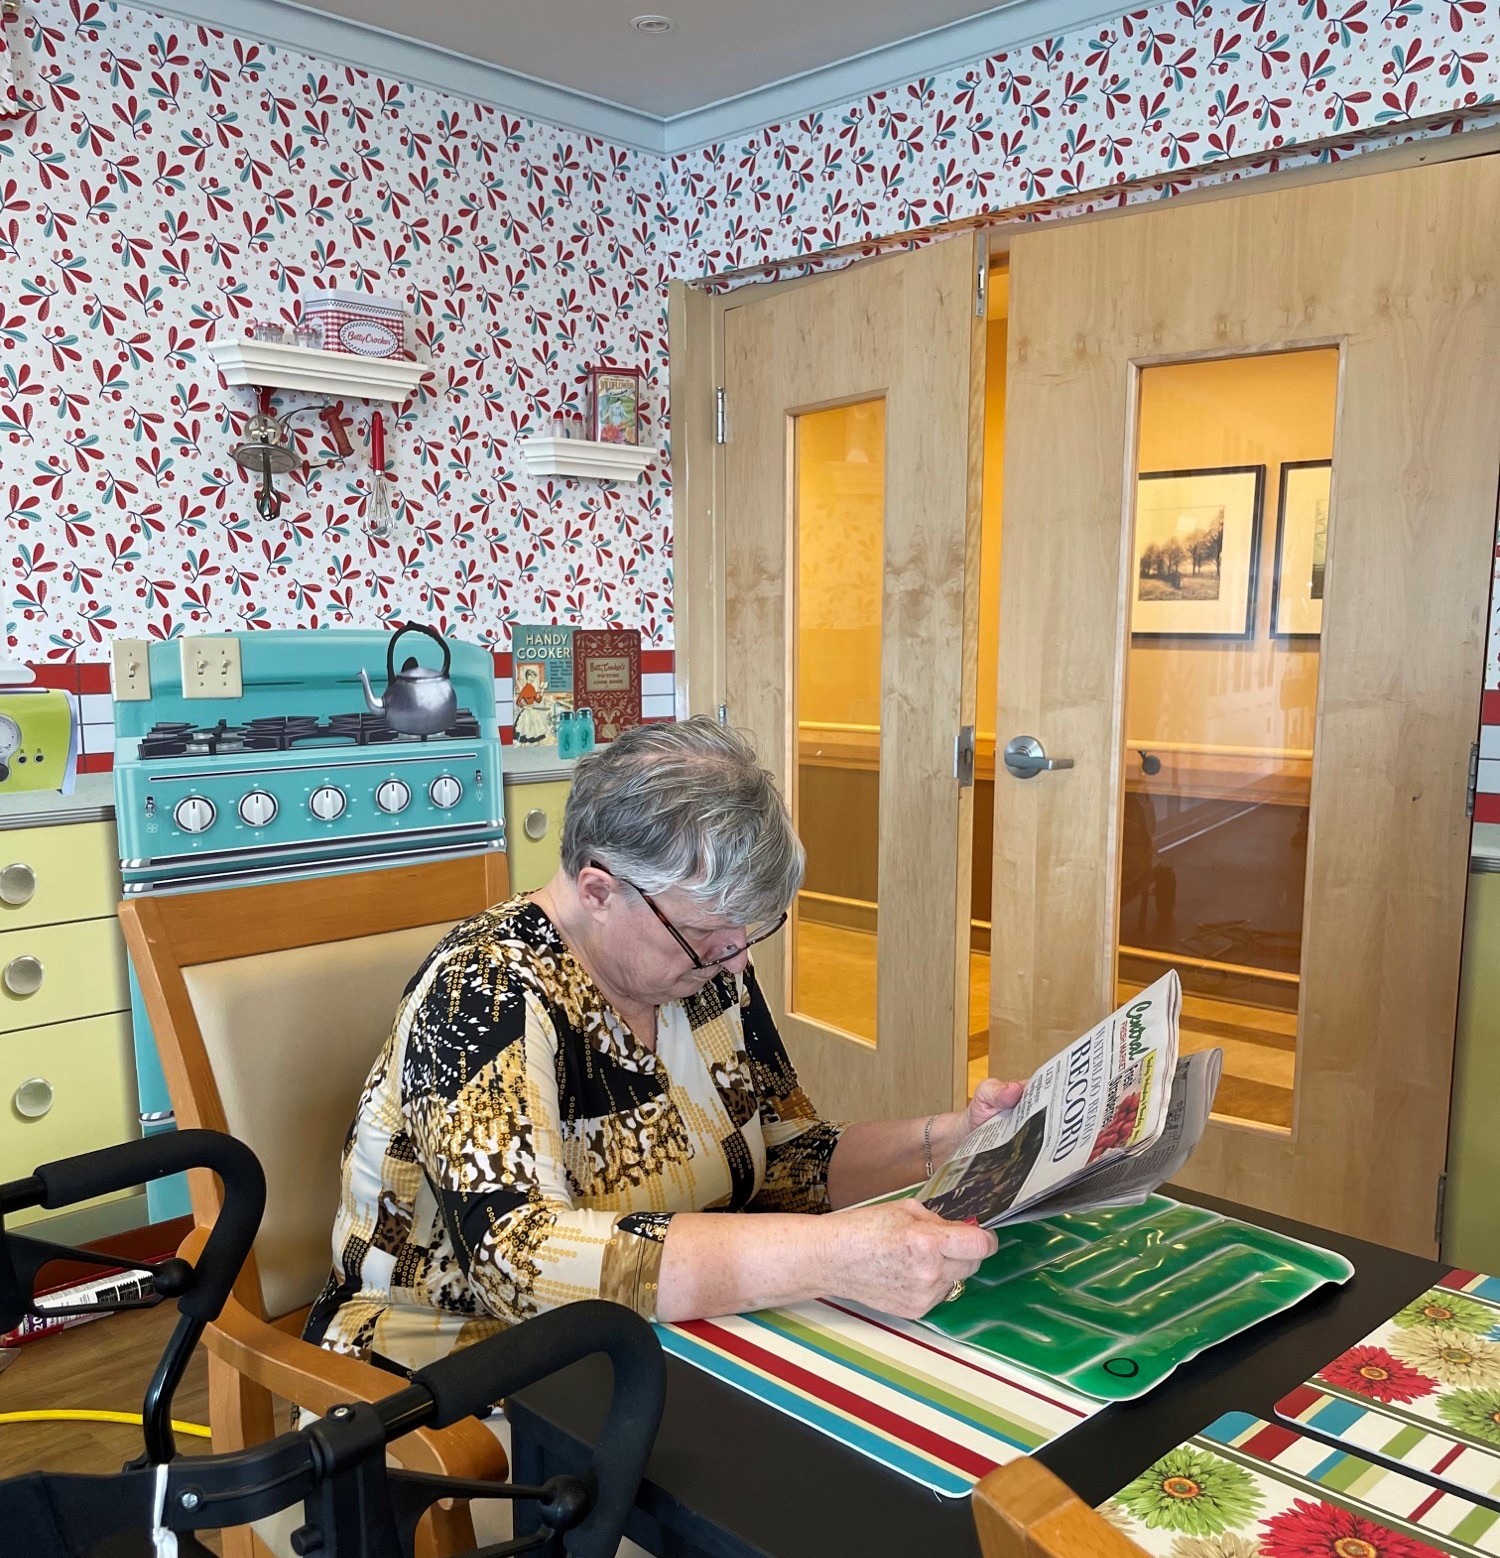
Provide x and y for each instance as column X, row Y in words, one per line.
column 353, row 1505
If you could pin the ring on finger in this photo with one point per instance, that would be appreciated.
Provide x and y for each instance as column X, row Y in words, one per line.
column 955, row 1292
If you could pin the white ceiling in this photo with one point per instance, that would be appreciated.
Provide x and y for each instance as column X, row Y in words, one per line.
column 727, row 66
column 717, row 49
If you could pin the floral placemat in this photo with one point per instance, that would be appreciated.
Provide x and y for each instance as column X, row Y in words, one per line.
column 1245, row 1488
column 1423, row 1390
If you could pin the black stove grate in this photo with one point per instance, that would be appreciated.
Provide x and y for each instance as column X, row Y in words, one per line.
column 284, row 733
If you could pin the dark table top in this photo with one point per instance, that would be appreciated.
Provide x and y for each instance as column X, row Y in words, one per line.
column 730, row 1476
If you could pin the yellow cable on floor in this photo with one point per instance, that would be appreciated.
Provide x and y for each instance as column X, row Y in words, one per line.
column 72, row 1415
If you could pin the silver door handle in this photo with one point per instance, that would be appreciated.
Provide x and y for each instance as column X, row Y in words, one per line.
column 1025, row 758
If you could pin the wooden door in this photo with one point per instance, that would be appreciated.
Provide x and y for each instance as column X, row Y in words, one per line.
column 1393, row 278
column 851, row 519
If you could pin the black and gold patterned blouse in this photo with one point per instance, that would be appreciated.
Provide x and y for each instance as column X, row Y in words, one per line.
column 515, row 1148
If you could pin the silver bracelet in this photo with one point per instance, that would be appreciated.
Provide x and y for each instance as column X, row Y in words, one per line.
column 927, row 1145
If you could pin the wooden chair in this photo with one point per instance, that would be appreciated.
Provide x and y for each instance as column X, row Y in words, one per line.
column 269, row 1005
column 1021, row 1510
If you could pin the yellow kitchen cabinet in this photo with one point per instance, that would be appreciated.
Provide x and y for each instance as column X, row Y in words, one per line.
column 1471, row 1221
column 68, row 1088
column 48, row 875
column 67, row 1068
column 533, row 830
column 54, row 973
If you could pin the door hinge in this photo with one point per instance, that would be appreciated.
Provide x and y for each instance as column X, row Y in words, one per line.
column 963, row 757
column 1473, row 778
column 723, row 713
column 981, row 285
column 1442, row 1197
column 721, row 436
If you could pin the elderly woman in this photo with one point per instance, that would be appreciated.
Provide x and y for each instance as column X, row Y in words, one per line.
column 581, row 1083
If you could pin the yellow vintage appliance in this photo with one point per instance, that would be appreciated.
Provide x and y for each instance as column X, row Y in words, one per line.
column 38, row 739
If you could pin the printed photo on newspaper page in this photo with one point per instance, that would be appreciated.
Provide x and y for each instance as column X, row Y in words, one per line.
column 1092, row 1124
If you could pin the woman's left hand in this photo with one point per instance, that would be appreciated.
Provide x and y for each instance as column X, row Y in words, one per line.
column 991, row 1097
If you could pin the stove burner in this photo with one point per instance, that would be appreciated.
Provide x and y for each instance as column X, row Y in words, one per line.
column 282, row 733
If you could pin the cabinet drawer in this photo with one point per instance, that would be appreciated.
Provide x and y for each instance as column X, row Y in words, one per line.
column 78, row 971
column 89, row 1068
column 71, row 872
column 533, row 832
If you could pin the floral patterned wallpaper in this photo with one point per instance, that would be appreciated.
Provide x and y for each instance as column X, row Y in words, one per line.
column 1132, row 109
column 172, row 182
column 175, row 182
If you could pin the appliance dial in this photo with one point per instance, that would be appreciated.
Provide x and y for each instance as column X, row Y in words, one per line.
column 194, row 814
column 445, row 791
column 392, row 797
column 327, row 802
column 257, row 808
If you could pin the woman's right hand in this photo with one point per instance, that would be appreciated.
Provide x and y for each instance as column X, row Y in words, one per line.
column 899, row 1257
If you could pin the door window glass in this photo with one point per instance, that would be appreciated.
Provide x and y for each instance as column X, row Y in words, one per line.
column 838, row 547
column 1229, row 572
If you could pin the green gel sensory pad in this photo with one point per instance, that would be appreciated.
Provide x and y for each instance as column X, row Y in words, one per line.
column 1110, row 1302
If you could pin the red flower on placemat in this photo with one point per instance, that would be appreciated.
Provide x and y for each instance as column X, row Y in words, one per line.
column 1373, row 1372
column 1308, row 1530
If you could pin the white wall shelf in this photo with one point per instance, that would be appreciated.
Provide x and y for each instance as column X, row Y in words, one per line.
column 585, row 457
column 337, row 374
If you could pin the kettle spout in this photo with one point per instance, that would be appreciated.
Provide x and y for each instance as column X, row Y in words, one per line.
column 374, row 704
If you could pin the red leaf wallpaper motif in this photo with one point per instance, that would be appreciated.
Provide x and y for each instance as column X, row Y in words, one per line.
column 170, row 182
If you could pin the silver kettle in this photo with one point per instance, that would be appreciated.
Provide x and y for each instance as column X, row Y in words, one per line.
column 418, row 701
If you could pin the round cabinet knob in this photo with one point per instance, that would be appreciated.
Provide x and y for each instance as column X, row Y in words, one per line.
column 33, row 1098
column 445, row 791
column 17, row 883
column 535, row 825
column 327, row 802
column 392, row 797
column 194, row 814
column 257, row 808
column 23, row 975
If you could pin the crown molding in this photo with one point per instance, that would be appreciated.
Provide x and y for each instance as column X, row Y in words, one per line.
column 290, row 25
column 1009, row 26
column 345, row 42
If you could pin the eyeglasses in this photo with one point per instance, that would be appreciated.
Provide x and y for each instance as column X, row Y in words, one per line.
column 698, row 962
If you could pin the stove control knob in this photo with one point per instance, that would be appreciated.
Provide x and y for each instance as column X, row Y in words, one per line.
column 257, row 808
column 327, row 802
column 392, row 797
column 445, row 791
column 194, row 814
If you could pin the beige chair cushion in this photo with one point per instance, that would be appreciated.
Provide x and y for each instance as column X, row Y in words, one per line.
column 291, row 1037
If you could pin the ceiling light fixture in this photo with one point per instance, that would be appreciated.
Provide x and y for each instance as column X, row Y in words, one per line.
column 651, row 24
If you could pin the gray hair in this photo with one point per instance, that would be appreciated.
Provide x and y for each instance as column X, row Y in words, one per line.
column 688, row 806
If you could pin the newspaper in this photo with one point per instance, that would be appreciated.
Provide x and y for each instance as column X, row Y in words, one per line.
column 1102, row 1124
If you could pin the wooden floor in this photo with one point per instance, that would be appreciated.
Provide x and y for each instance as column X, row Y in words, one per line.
column 104, row 1365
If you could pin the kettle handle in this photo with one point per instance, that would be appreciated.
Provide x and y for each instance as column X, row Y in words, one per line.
column 415, row 627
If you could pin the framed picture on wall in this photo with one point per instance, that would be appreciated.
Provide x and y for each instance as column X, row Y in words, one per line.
column 615, row 396
column 1197, row 539
column 1301, row 548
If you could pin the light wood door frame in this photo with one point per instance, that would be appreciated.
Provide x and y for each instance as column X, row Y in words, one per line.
column 1091, row 308
column 857, row 334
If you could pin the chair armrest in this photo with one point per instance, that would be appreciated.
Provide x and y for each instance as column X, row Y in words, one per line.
column 316, row 1379
column 1021, row 1510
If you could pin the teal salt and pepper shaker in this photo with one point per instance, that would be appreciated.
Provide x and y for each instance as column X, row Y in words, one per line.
column 584, row 719
column 567, row 735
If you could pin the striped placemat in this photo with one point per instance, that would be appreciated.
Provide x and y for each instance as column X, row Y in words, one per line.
column 1244, row 1488
column 1422, row 1390
column 935, row 1410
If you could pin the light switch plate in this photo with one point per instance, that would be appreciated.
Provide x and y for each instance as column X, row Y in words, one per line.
column 211, row 667
column 129, row 670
